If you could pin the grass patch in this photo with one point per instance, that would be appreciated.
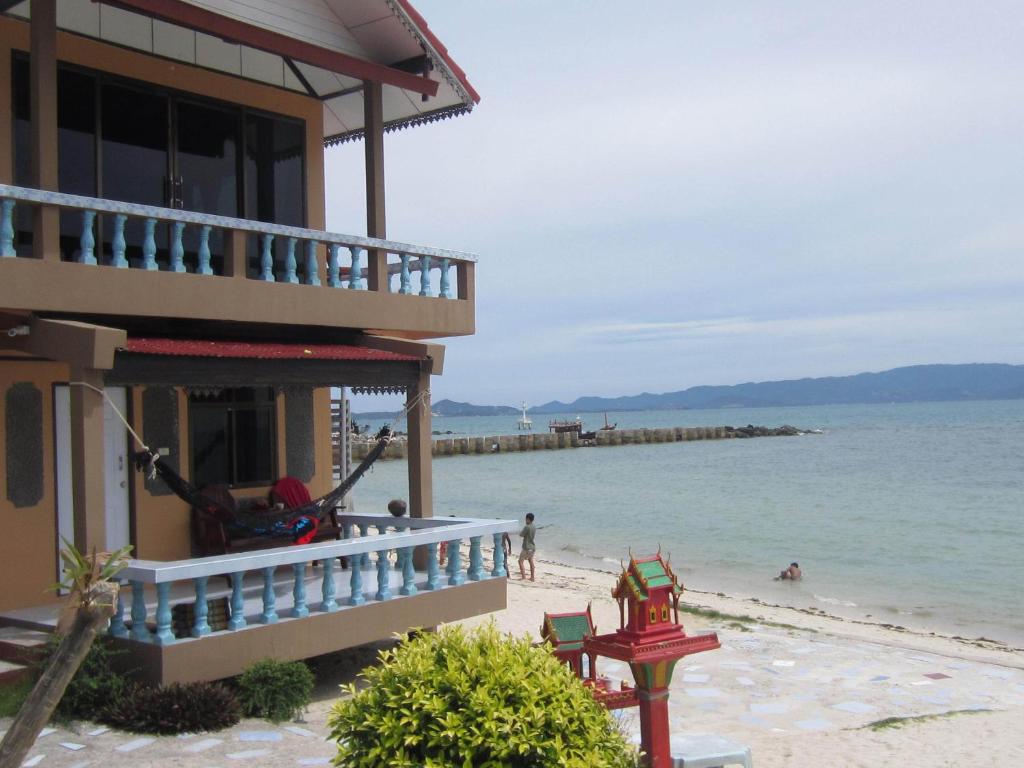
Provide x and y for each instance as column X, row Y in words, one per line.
column 13, row 696
column 899, row 722
column 714, row 615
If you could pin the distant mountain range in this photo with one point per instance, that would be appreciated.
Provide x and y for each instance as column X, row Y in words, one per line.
column 916, row 383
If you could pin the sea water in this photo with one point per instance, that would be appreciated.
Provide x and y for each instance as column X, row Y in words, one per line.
column 906, row 514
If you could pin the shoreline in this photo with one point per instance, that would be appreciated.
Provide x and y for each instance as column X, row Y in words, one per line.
column 816, row 619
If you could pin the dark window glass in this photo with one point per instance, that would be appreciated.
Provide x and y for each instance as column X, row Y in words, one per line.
column 76, row 150
column 22, row 109
column 233, row 437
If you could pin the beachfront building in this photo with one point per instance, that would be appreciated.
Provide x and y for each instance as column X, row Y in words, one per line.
column 164, row 255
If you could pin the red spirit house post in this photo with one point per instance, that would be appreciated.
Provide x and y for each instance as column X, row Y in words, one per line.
column 651, row 640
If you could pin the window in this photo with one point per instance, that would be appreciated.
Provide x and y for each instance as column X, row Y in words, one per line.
column 664, row 613
column 233, row 437
column 654, row 614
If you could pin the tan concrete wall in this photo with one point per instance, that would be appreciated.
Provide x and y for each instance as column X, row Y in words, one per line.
column 28, row 546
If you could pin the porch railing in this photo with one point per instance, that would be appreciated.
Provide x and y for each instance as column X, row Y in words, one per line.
column 282, row 254
column 363, row 535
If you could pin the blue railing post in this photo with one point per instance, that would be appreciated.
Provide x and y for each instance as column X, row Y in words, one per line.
column 139, row 630
column 201, row 626
column 312, row 265
column 87, row 242
column 355, row 582
column 204, row 267
column 117, row 243
column 117, row 627
column 424, row 275
column 267, row 258
column 408, row 573
column 329, row 604
column 149, row 245
column 334, row 266
column 299, row 608
column 7, row 227
column 163, row 636
column 433, row 571
column 289, row 263
column 237, row 601
column 177, row 247
column 355, row 275
column 364, row 558
column 476, row 560
column 456, row 576
column 446, row 288
column 405, row 279
column 269, row 614
column 499, row 557
column 383, row 575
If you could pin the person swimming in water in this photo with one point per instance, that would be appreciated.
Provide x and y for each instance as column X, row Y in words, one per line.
column 793, row 573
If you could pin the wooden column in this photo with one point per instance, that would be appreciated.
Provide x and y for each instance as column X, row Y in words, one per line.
column 421, row 479
column 43, row 79
column 87, row 460
column 376, row 218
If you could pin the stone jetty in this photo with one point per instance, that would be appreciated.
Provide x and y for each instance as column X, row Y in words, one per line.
column 453, row 445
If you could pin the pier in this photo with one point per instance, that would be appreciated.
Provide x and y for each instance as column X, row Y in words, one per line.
column 445, row 445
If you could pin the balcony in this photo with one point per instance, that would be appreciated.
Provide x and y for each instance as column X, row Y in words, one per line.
column 208, row 618
column 165, row 264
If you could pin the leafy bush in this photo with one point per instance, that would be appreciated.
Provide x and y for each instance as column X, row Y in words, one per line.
column 275, row 690
column 13, row 695
column 481, row 699
column 95, row 685
column 175, row 708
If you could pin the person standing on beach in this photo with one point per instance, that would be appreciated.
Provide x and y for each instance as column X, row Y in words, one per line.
column 529, row 547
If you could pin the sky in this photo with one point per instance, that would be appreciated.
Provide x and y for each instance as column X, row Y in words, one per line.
column 666, row 194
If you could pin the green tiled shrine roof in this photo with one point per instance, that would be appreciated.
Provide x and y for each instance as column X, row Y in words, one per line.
column 571, row 628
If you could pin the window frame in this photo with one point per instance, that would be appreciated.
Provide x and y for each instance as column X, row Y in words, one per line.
column 232, row 406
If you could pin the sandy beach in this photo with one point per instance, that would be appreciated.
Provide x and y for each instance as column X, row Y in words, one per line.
column 800, row 688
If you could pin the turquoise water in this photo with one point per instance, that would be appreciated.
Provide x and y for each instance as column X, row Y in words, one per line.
column 907, row 514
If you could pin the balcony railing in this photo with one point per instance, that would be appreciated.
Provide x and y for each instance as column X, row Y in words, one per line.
column 283, row 254
column 364, row 535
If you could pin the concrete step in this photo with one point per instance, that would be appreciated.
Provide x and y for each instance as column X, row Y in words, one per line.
column 12, row 673
column 21, row 646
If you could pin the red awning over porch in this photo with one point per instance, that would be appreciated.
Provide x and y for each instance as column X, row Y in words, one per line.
column 261, row 350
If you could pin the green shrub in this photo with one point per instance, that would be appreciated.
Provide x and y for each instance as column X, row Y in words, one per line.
column 275, row 690
column 456, row 699
column 95, row 685
column 13, row 695
column 175, row 708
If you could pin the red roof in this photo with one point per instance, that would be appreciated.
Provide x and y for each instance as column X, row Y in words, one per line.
column 260, row 350
column 421, row 23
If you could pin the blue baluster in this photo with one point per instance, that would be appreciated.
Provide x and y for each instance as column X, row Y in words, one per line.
column 346, row 530
column 334, row 266
column 7, row 227
column 269, row 614
column 267, row 259
column 139, row 629
column 201, row 626
column 164, row 636
column 405, row 279
column 117, row 627
column 204, row 267
column 446, row 288
column 117, row 244
column 355, row 275
column 329, row 604
column 177, row 247
column 456, row 576
column 383, row 575
column 448, row 565
column 408, row 573
column 289, row 263
column 87, row 241
column 364, row 530
column 424, row 275
column 299, row 608
column 312, row 265
column 149, row 245
column 237, row 602
column 355, row 582
column 433, row 571
column 476, row 560
column 499, row 558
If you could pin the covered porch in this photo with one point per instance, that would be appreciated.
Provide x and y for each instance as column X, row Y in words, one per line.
column 209, row 618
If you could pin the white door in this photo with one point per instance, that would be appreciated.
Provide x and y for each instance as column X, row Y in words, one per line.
column 115, row 459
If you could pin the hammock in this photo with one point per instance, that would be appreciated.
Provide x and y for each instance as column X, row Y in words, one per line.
column 300, row 523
